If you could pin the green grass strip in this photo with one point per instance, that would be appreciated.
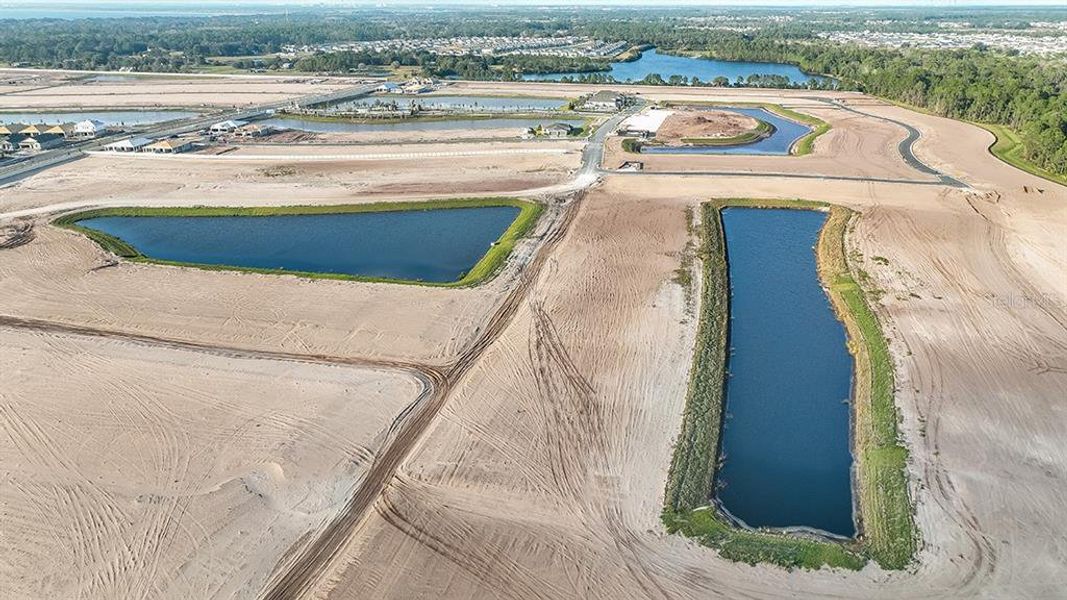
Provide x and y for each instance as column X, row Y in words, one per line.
column 888, row 532
column 490, row 263
column 1009, row 148
column 801, row 147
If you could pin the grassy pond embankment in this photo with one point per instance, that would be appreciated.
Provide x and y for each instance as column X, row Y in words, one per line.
column 449, row 243
column 772, row 464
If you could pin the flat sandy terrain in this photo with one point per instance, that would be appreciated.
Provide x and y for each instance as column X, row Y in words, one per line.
column 560, row 385
column 149, row 92
column 381, row 137
column 297, row 175
column 133, row 471
column 544, row 476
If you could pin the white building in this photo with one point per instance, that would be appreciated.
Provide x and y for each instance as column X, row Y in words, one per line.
column 89, row 128
column 227, row 126
column 133, row 144
column 604, row 101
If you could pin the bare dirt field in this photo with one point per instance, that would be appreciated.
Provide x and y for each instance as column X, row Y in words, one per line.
column 544, row 477
column 543, row 473
column 293, row 136
column 708, row 124
column 133, row 471
column 856, row 146
column 149, row 92
column 308, row 175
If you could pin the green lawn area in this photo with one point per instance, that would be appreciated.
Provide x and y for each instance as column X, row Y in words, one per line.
column 483, row 270
column 1009, row 149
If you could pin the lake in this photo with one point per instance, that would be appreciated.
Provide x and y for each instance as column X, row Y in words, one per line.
column 429, row 245
column 468, row 103
column 786, row 133
column 706, row 69
column 109, row 117
column 785, row 443
column 414, row 124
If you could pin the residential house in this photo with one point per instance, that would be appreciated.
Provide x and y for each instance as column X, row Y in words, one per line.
column 41, row 142
column 557, row 130
column 10, row 128
column 133, row 144
column 168, row 146
column 227, row 126
column 35, row 129
column 89, row 128
column 64, row 129
column 254, row 130
column 605, row 101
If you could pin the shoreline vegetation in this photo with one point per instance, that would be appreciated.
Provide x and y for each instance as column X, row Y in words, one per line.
column 887, row 533
column 1009, row 148
column 763, row 129
column 803, row 146
column 487, row 266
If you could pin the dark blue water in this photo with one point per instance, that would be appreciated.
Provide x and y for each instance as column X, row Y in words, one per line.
column 471, row 103
column 785, row 440
column 786, row 133
column 108, row 117
column 414, row 124
column 429, row 245
column 706, row 69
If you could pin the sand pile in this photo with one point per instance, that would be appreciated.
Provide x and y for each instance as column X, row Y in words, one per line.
column 708, row 124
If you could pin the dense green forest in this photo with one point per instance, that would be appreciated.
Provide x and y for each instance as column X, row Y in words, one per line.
column 509, row 68
column 1025, row 93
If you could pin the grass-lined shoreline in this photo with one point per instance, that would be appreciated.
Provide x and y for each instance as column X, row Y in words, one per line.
column 887, row 534
column 490, row 263
column 1008, row 147
column 802, row 146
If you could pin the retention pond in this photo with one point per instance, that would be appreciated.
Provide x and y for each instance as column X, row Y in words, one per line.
column 705, row 69
column 780, row 142
column 108, row 117
column 415, row 124
column 438, row 245
column 786, row 433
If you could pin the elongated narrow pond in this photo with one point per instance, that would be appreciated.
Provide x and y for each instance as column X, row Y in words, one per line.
column 438, row 245
column 785, row 442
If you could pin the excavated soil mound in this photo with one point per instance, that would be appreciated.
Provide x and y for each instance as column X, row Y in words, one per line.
column 704, row 124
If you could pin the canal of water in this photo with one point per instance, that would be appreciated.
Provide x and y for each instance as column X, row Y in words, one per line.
column 415, row 124
column 456, row 102
column 430, row 245
column 108, row 117
column 786, row 133
column 785, row 442
column 705, row 68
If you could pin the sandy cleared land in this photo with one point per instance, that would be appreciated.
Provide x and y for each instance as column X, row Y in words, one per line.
column 855, row 146
column 166, row 92
column 381, row 137
column 182, row 180
column 63, row 277
column 133, row 471
column 543, row 474
column 544, row 477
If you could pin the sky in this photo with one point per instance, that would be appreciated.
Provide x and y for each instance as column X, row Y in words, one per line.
column 141, row 4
